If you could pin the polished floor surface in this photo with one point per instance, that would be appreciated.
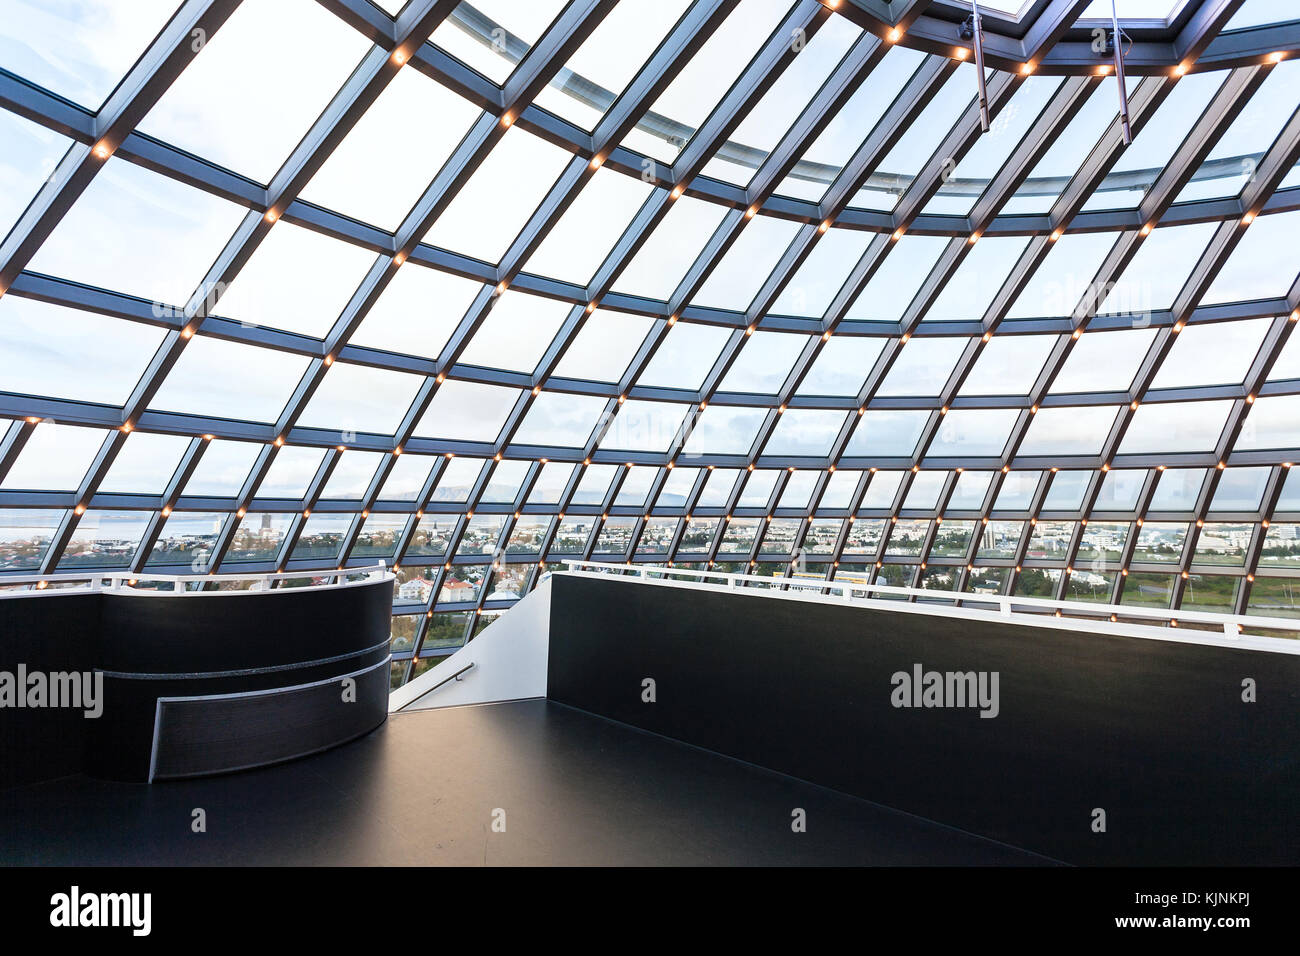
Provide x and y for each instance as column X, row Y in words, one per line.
column 521, row 783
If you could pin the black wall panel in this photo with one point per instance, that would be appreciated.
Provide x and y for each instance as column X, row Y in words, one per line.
column 48, row 632
column 160, row 645
column 1154, row 733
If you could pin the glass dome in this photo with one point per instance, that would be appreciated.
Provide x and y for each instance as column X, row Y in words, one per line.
column 472, row 289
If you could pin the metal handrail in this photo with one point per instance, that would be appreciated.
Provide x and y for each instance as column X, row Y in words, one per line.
column 125, row 580
column 1230, row 624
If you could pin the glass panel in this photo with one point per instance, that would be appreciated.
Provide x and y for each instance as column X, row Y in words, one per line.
column 1049, row 540
column 717, row 489
column 1275, row 597
column 227, row 380
column 1067, row 490
column 725, row 431
column 824, row 159
column 140, row 233
column 1103, row 362
column 799, row 490
column 952, row 539
column 738, row 538
column 1281, row 546
column 386, row 161
column 615, row 536
column 379, row 536
column 25, row 536
column 417, row 312
column 822, row 273
column 503, row 485
column 1158, row 270
column 1102, row 544
column 493, row 35
column 1000, row 539
column 780, row 536
column 1271, row 423
column 1218, row 353
column 493, row 206
column 352, row 475
column 322, row 537
column 917, row 145
column 1017, row 491
column 840, row 489
column 244, row 106
column 1068, row 431
column 645, row 426
column 1064, row 278
column 882, row 490
column 1178, row 489
column 1090, row 586
column 896, row 281
column 187, row 539
column 291, row 472
column 763, row 126
column 1141, row 162
column 701, row 84
column 907, row 537
column 407, row 478
column 699, row 534
column 974, row 432
column 1037, row 582
column 1142, row 589
column 737, row 277
column 79, row 50
column 925, row 489
column 145, row 464
column 64, row 353
column 1173, row 427
column 764, row 363
column 1263, row 265
column 1223, row 544
column 457, row 479
column 685, row 356
column 968, row 179
column 604, row 346
column 55, row 458
column 527, row 535
column 971, row 489
column 657, row 536
column 594, row 485
column 842, row 366
column 359, row 398
column 758, row 489
column 258, row 537
column 1159, row 543
column 467, row 411
column 560, row 419
column 864, row 536
column 1216, row 593
column 1120, row 490
column 923, row 366
column 223, row 468
column 550, row 484
column 432, row 536
column 1008, row 365
column 1240, row 489
column 671, row 249
column 605, row 64
column 104, row 539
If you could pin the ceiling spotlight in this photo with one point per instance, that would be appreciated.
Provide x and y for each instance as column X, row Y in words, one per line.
column 826, row 224
column 897, row 234
column 749, row 213
column 894, row 35
column 1103, row 70
column 102, row 151
column 271, row 215
column 960, row 53
column 1276, row 57
column 1180, row 69
column 399, row 56
column 1026, row 69
column 506, row 119
column 677, row 191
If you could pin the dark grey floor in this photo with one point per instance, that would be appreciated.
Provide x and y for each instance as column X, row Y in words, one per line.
column 422, row 790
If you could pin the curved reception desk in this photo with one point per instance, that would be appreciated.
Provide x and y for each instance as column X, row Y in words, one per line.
column 131, row 684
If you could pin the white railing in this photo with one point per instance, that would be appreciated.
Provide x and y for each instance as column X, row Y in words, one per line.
column 1231, row 625
column 78, row 581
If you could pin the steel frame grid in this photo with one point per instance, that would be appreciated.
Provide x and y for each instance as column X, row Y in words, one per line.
column 409, row 32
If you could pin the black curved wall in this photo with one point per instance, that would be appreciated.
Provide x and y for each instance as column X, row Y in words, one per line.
column 219, row 647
